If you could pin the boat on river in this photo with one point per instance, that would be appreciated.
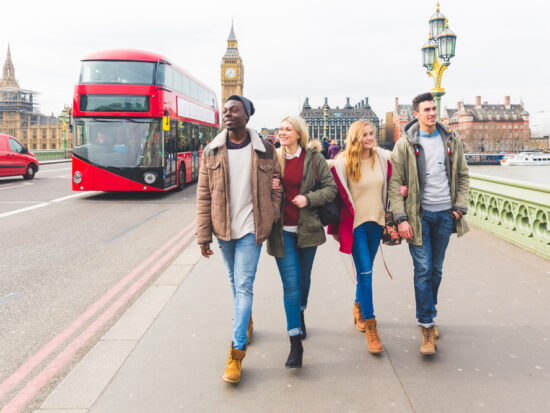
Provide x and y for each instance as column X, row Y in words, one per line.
column 484, row 158
column 526, row 159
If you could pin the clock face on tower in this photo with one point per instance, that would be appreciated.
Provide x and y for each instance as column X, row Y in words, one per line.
column 230, row 73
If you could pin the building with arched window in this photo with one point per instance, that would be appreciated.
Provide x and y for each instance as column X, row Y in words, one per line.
column 336, row 120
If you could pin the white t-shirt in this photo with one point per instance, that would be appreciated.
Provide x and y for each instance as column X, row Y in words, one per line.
column 241, row 209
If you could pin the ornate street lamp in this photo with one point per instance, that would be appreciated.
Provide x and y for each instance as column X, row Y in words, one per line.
column 437, row 53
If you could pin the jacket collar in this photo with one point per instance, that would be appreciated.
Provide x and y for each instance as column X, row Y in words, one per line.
column 255, row 139
column 412, row 128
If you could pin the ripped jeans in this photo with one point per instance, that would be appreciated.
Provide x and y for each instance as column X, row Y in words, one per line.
column 366, row 239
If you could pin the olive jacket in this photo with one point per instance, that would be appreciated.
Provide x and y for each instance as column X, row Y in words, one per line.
column 408, row 168
column 310, row 230
column 213, row 215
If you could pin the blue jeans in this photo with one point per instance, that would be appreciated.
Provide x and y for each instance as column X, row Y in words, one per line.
column 366, row 239
column 437, row 228
column 295, row 269
column 241, row 261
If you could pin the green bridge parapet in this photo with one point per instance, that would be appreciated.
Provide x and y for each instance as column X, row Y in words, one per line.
column 514, row 210
column 52, row 154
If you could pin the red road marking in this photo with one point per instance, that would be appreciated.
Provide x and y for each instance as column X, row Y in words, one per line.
column 38, row 357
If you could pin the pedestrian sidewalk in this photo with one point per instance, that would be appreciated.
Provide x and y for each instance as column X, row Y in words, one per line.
column 167, row 353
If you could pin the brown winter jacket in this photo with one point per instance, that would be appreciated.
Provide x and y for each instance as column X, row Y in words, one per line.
column 213, row 189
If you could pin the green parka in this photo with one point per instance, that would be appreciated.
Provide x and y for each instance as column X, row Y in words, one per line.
column 311, row 232
column 409, row 169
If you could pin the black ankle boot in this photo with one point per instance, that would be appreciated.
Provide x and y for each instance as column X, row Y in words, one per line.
column 296, row 352
column 303, row 322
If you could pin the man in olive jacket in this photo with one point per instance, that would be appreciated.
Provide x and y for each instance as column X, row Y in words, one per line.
column 430, row 160
column 237, row 203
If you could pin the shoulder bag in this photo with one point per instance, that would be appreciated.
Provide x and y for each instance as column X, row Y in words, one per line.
column 328, row 213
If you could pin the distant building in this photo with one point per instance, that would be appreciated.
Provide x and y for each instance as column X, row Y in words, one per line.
column 232, row 69
column 19, row 116
column 265, row 132
column 338, row 120
column 402, row 114
column 540, row 123
column 540, row 129
column 490, row 127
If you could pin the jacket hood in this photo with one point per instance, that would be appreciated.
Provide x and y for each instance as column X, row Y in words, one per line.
column 411, row 130
column 315, row 145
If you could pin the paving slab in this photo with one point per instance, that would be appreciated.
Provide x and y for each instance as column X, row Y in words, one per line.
column 492, row 355
column 88, row 379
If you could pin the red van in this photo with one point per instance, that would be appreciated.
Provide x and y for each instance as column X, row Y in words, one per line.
column 15, row 158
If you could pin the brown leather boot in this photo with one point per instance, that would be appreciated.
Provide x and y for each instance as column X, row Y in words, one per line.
column 358, row 318
column 232, row 372
column 436, row 332
column 249, row 330
column 375, row 345
column 428, row 341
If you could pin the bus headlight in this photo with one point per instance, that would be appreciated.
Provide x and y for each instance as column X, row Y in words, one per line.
column 149, row 177
column 77, row 177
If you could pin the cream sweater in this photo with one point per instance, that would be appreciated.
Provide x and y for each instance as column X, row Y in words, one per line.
column 367, row 194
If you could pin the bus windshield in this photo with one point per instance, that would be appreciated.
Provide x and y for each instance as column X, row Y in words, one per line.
column 121, row 142
column 117, row 72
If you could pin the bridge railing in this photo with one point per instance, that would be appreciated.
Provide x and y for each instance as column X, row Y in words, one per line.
column 52, row 154
column 514, row 210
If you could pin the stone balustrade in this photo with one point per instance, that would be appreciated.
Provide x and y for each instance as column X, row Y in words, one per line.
column 52, row 154
column 514, row 210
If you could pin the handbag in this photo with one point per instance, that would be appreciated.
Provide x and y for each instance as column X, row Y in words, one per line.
column 328, row 213
column 390, row 233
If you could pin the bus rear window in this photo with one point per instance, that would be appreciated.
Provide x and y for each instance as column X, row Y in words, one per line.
column 114, row 103
column 117, row 72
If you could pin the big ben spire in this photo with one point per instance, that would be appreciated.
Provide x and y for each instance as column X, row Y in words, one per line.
column 8, row 74
column 232, row 70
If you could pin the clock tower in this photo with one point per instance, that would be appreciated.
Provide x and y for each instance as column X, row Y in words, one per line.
column 232, row 70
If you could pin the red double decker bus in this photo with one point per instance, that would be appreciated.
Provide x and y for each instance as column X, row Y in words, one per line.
column 139, row 123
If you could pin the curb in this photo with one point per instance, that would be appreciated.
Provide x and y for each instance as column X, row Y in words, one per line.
column 53, row 161
column 79, row 390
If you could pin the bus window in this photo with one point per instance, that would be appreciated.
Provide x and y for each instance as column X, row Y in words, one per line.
column 194, row 91
column 185, row 85
column 169, row 77
column 184, row 137
column 195, row 143
column 176, row 81
column 161, row 75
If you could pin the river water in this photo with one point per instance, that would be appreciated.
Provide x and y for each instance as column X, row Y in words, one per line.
column 532, row 174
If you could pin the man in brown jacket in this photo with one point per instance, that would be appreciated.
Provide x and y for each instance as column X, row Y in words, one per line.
column 237, row 203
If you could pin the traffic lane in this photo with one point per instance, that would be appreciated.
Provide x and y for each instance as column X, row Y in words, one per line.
column 62, row 258
column 52, row 183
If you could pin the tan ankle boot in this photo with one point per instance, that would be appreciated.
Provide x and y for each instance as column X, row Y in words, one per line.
column 232, row 372
column 428, row 341
column 358, row 318
column 249, row 330
column 436, row 332
column 375, row 345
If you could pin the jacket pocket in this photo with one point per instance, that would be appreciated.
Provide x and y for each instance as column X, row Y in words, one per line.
column 215, row 174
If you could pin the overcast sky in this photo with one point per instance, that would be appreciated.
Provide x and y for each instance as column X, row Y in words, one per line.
column 292, row 49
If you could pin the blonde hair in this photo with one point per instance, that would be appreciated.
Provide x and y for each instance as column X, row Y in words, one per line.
column 354, row 149
column 300, row 126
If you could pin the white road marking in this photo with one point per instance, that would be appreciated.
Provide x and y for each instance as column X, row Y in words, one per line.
column 43, row 204
column 53, row 170
column 17, row 185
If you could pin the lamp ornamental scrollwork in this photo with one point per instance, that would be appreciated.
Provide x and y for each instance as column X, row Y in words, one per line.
column 437, row 53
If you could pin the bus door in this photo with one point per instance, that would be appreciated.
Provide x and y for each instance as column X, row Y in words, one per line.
column 195, row 146
column 170, row 155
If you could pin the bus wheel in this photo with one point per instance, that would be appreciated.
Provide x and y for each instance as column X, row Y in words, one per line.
column 181, row 183
column 30, row 172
